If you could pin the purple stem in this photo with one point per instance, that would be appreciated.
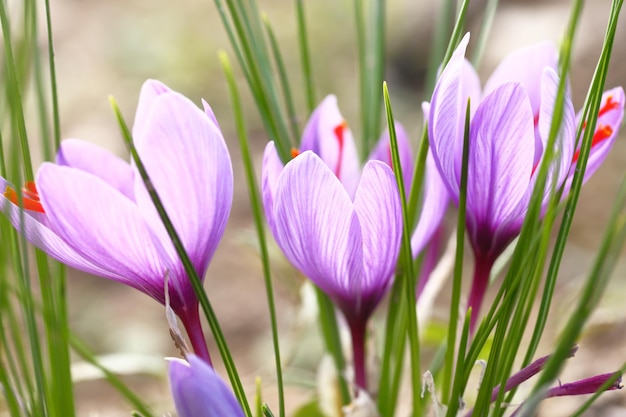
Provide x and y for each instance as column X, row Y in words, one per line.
column 482, row 270
column 193, row 326
column 357, row 331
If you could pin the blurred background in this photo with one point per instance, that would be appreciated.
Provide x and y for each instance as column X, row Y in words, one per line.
column 111, row 47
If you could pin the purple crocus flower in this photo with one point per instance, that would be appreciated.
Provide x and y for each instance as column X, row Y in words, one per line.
column 92, row 211
column 199, row 391
column 348, row 246
column 509, row 128
column 328, row 135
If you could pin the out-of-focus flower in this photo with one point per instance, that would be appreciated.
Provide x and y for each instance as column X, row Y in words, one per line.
column 509, row 128
column 199, row 391
column 92, row 211
column 347, row 246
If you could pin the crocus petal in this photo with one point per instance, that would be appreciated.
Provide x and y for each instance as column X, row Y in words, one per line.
column 328, row 135
column 40, row 235
column 500, row 160
column 316, row 226
column 435, row 203
column 564, row 145
column 188, row 163
column 382, row 152
column 526, row 66
column 377, row 205
column 98, row 161
column 199, row 392
column 101, row 225
column 610, row 116
column 446, row 119
column 209, row 112
column 150, row 90
column 272, row 167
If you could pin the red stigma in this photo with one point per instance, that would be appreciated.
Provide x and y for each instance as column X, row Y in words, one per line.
column 609, row 105
column 339, row 131
column 602, row 133
column 294, row 152
column 30, row 197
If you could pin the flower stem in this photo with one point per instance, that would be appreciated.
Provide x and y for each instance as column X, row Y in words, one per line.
column 482, row 270
column 357, row 331
column 193, row 327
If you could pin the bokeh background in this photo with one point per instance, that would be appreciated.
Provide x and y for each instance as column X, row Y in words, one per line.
column 111, row 47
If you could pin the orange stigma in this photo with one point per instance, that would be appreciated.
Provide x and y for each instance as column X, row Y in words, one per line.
column 602, row 133
column 30, row 197
column 294, row 152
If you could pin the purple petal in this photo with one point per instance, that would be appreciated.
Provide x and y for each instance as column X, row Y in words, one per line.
column 377, row 205
column 435, row 203
column 328, row 135
column 446, row 119
column 501, row 155
column 188, row 163
column 199, row 392
column 272, row 167
column 93, row 159
column 382, row 152
column 150, row 90
column 607, row 129
column 39, row 234
column 564, row 145
column 209, row 112
column 317, row 227
column 101, row 225
column 525, row 66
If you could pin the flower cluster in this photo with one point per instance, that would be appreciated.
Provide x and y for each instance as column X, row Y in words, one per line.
column 337, row 221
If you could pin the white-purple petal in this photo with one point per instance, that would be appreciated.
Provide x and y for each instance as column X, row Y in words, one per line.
column 502, row 141
column 447, row 117
column 93, row 159
column 199, row 391
column 271, row 168
column 317, row 227
column 103, row 226
column 435, row 202
column 377, row 205
column 328, row 135
column 525, row 66
column 188, row 163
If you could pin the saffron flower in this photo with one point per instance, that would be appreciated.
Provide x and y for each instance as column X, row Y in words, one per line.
column 348, row 246
column 509, row 126
column 329, row 136
column 92, row 211
column 199, row 391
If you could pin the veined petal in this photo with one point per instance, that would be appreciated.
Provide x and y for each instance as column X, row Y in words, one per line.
column 377, row 205
column 500, row 163
column 101, row 225
column 317, row 227
column 564, row 145
column 608, row 125
column 150, row 90
column 40, row 235
column 446, row 118
column 199, row 392
column 98, row 161
column 209, row 112
column 272, row 167
column 382, row 152
column 327, row 134
column 435, row 203
column 525, row 66
column 188, row 163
